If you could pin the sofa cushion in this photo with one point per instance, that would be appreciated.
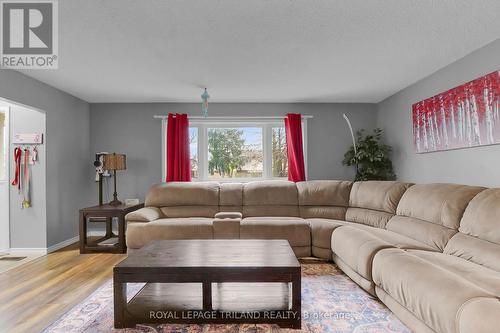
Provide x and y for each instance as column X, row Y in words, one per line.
column 479, row 315
column 383, row 196
column 140, row 234
column 145, row 214
column 183, row 194
column 293, row 229
column 323, row 198
column 479, row 236
column 270, row 198
column 185, row 199
column 369, row 217
column 475, row 250
column 226, row 228
column 433, row 286
column 407, row 317
column 481, row 219
column 321, row 231
column 374, row 202
column 228, row 215
column 231, row 197
column 189, row 211
column 356, row 245
column 430, row 213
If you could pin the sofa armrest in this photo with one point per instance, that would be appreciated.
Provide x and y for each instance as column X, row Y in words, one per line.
column 146, row 214
column 479, row 314
column 228, row 228
column 228, row 215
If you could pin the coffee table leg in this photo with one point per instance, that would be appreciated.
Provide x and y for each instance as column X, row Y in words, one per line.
column 296, row 299
column 207, row 296
column 120, row 302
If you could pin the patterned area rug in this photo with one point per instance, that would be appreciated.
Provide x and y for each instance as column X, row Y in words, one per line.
column 331, row 302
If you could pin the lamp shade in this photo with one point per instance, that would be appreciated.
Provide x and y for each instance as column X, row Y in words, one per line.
column 115, row 162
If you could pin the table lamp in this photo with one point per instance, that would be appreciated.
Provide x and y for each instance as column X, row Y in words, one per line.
column 115, row 162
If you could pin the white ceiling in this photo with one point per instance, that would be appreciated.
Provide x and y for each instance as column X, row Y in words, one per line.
column 261, row 50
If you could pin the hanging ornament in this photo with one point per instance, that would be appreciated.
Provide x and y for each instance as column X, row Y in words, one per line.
column 204, row 105
column 34, row 158
column 26, row 181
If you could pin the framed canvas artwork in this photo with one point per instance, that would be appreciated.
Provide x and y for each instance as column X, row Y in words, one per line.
column 465, row 116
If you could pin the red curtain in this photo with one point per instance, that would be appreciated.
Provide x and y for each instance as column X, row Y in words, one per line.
column 178, row 161
column 295, row 150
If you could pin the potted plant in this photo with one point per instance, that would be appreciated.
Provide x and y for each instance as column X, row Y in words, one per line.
column 371, row 157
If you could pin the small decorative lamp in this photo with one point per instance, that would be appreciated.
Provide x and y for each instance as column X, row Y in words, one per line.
column 115, row 162
column 204, row 105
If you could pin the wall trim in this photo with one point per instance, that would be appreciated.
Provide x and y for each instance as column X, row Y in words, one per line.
column 30, row 250
column 62, row 244
column 44, row 250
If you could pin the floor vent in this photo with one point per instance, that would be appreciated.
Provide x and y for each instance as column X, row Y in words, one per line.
column 12, row 258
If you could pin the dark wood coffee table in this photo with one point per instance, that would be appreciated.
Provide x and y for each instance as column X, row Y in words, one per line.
column 210, row 281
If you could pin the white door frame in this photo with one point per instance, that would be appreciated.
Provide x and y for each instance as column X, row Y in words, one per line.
column 5, row 188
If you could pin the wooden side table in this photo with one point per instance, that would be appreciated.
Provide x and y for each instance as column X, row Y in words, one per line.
column 105, row 214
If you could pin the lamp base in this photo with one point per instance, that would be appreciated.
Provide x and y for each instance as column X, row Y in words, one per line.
column 115, row 202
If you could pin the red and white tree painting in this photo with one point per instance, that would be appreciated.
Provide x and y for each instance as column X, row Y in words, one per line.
column 465, row 116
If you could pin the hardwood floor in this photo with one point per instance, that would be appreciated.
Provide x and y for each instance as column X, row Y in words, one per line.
column 34, row 295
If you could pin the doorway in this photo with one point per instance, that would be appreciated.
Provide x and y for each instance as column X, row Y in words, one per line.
column 23, row 228
column 4, row 180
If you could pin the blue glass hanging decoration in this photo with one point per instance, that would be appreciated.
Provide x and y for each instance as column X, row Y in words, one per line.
column 204, row 105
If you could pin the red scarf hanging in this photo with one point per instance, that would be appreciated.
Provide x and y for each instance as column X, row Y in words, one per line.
column 295, row 150
column 17, row 161
column 178, row 159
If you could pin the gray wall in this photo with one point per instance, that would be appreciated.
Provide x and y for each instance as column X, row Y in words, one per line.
column 25, row 223
column 131, row 129
column 475, row 166
column 67, row 153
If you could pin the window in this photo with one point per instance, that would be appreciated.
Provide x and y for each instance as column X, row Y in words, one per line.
column 280, row 158
column 227, row 150
column 235, row 152
column 193, row 151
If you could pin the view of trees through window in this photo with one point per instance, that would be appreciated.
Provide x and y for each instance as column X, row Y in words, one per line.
column 280, row 160
column 235, row 152
column 245, row 152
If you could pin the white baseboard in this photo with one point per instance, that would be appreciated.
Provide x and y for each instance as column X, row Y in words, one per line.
column 28, row 250
column 43, row 250
column 62, row 244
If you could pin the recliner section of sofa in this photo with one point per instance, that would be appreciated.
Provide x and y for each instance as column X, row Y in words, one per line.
column 429, row 215
column 271, row 210
column 431, row 285
column 374, row 203
column 457, row 290
column 362, row 208
column 324, row 205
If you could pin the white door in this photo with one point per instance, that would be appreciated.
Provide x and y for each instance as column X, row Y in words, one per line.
column 4, row 179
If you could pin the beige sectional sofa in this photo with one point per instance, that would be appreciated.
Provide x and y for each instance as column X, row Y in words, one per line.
column 430, row 252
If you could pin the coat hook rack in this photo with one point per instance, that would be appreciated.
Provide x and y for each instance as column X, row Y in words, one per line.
column 28, row 139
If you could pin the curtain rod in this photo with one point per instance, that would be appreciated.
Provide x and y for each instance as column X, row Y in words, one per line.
column 233, row 118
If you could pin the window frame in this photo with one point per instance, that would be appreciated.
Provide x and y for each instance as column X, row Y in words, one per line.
column 203, row 125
